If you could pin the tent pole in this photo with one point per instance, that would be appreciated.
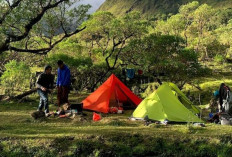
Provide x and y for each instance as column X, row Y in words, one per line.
column 117, row 97
column 126, row 96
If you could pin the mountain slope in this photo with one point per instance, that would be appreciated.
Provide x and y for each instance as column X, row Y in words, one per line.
column 95, row 4
column 154, row 7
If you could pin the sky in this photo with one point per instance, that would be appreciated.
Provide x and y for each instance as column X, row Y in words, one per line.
column 94, row 3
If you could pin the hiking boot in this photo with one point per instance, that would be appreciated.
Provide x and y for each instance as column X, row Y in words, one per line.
column 58, row 112
column 47, row 114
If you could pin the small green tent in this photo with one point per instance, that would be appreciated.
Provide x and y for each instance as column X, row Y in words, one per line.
column 165, row 104
column 183, row 99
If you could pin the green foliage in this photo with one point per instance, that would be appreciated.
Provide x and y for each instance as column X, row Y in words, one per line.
column 108, row 35
column 150, row 89
column 87, row 76
column 224, row 34
column 69, row 60
column 166, row 54
column 16, row 77
column 224, row 16
column 70, row 46
column 200, row 26
column 131, row 146
column 219, row 59
column 37, row 26
column 159, row 8
column 216, row 48
column 82, row 68
column 10, row 148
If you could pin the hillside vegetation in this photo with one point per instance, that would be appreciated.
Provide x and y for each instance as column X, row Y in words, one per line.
column 151, row 8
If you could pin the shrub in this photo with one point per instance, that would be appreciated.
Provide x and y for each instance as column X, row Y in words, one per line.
column 16, row 77
column 219, row 59
column 72, row 62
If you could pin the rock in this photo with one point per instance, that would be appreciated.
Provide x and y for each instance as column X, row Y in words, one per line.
column 38, row 114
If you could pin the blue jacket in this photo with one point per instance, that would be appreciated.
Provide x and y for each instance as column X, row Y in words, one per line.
column 63, row 77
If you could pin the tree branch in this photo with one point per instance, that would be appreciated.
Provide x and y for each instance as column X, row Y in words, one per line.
column 33, row 21
column 14, row 5
column 44, row 51
column 117, row 56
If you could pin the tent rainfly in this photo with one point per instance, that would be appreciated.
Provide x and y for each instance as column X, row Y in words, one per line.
column 167, row 103
column 110, row 94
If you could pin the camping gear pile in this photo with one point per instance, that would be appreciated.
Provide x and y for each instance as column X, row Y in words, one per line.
column 225, row 119
column 67, row 111
column 222, row 100
column 71, row 110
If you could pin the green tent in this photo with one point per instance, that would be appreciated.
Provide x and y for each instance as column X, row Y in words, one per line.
column 165, row 104
column 183, row 99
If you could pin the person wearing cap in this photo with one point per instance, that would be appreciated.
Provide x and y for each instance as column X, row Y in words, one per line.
column 44, row 85
column 63, row 83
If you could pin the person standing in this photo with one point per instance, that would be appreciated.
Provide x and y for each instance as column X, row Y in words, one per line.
column 63, row 83
column 44, row 85
column 224, row 98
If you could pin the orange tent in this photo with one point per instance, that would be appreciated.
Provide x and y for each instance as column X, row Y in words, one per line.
column 111, row 93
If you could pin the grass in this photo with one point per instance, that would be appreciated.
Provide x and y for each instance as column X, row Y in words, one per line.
column 114, row 135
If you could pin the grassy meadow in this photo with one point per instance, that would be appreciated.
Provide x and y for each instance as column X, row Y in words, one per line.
column 114, row 135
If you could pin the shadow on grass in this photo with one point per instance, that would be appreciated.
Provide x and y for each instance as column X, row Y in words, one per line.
column 116, row 144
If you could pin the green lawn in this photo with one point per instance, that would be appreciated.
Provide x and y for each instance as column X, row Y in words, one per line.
column 114, row 135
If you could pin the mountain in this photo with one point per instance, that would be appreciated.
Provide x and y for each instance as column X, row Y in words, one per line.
column 94, row 3
column 154, row 7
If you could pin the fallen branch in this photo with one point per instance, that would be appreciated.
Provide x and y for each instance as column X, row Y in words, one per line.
column 24, row 94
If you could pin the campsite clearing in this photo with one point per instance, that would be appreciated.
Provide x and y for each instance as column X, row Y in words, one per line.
column 20, row 135
column 114, row 135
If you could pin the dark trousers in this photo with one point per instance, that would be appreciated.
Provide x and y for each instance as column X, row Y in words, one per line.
column 62, row 95
column 43, row 101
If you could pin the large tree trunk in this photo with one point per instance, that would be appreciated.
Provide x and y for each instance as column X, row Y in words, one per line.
column 25, row 94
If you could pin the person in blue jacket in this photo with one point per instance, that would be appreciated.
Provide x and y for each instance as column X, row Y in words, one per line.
column 63, row 83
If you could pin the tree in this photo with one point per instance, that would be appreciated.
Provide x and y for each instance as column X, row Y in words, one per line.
column 195, row 24
column 202, row 16
column 179, row 24
column 186, row 11
column 157, row 54
column 162, row 27
column 173, row 26
column 107, row 36
column 224, row 35
column 36, row 26
column 16, row 77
